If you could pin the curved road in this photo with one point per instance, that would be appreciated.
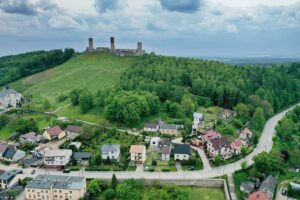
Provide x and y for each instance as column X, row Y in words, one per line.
column 265, row 144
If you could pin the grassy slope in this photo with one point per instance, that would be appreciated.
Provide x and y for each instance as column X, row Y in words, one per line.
column 93, row 71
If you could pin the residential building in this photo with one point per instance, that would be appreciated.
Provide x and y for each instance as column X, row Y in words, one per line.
column 31, row 137
column 13, row 154
column 138, row 153
column 55, row 188
column 166, row 153
column 237, row 145
column 57, row 158
column 245, row 134
column 268, row 186
column 151, row 127
column 77, row 145
column 226, row 114
column 169, row 129
column 10, row 98
column 54, row 133
column 165, row 142
column 247, row 187
column 219, row 146
column 208, row 135
column 82, row 157
column 3, row 147
column 181, row 152
column 155, row 142
column 259, row 195
column 111, row 151
column 7, row 177
column 73, row 132
column 198, row 117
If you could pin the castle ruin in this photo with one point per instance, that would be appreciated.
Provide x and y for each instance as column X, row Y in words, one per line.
column 118, row 52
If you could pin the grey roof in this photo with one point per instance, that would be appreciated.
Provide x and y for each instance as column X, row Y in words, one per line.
column 218, row 143
column 9, row 152
column 7, row 91
column 165, row 141
column 248, row 186
column 150, row 125
column 181, row 149
column 10, row 174
column 168, row 126
column 81, row 155
column 268, row 184
column 30, row 136
column 110, row 147
column 56, row 182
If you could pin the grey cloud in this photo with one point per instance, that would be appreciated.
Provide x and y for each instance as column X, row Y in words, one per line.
column 185, row 6
column 103, row 6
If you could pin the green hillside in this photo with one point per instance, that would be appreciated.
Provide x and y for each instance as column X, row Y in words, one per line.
column 93, row 71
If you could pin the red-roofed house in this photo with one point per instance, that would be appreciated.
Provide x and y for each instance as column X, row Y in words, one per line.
column 236, row 146
column 54, row 133
column 208, row 135
column 246, row 134
column 258, row 196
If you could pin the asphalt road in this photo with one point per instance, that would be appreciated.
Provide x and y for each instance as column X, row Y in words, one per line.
column 265, row 144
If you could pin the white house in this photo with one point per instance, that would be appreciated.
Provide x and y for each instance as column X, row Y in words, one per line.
column 138, row 153
column 10, row 98
column 154, row 142
column 57, row 158
column 181, row 152
column 165, row 153
column 219, row 146
column 198, row 117
column 111, row 151
column 151, row 127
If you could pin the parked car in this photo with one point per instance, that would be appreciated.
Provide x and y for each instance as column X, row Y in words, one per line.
column 66, row 171
column 33, row 171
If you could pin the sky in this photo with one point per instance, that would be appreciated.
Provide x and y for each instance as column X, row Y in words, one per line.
column 190, row 28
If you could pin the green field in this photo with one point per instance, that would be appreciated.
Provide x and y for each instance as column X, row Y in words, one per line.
column 91, row 71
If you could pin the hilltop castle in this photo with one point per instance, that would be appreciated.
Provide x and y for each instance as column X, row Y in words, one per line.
column 119, row 52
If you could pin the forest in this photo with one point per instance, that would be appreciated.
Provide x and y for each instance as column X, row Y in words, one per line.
column 18, row 66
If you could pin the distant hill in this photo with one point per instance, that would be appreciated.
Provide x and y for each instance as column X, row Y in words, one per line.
column 93, row 71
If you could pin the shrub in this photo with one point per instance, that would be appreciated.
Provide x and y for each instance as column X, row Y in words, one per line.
column 109, row 194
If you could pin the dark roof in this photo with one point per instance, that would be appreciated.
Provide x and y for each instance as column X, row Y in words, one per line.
column 1, row 172
column 10, row 152
column 268, row 184
column 73, row 129
column 248, row 186
column 218, row 143
column 181, row 149
column 165, row 141
column 150, row 125
column 9, row 174
column 81, row 155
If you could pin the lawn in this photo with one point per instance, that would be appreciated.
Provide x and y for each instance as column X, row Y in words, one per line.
column 196, row 193
column 91, row 71
column 161, row 164
column 5, row 133
column 238, row 178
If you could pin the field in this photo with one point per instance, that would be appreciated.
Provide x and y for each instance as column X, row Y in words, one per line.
column 91, row 71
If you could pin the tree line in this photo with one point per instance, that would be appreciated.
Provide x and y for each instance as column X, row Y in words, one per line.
column 18, row 66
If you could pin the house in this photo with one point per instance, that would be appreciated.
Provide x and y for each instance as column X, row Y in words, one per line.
column 3, row 147
column 268, row 186
column 82, row 157
column 111, row 151
column 55, row 187
column 169, row 129
column 219, row 146
column 13, row 154
column 155, row 142
column 208, row 135
column 57, row 158
column 138, row 153
column 10, row 98
column 198, row 117
column 165, row 142
column 181, row 152
column 246, row 134
column 32, row 161
column 30, row 137
column 151, row 127
column 54, row 133
column 77, row 145
column 7, row 177
column 166, row 153
column 73, row 132
column 247, row 187
column 237, row 145
column 259, row 195
column 226, row 114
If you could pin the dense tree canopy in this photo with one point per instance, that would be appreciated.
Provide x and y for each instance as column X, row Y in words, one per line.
column 15, row 67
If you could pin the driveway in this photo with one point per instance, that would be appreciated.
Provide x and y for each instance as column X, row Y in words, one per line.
column 178, row 166
column 139, row 168
column 205, row 161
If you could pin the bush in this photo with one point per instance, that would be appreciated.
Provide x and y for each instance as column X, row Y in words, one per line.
column 109, row 194
column 62, row 98
column 165, row 170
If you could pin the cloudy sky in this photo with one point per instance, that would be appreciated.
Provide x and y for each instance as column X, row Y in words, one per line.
column 203, row 28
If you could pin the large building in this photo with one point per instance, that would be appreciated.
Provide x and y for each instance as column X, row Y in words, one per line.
column 57, row 158
column 51, row 187
column 119, row 52
column 10, row 98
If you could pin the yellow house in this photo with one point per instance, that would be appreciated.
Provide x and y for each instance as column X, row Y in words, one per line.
column 54, row 133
